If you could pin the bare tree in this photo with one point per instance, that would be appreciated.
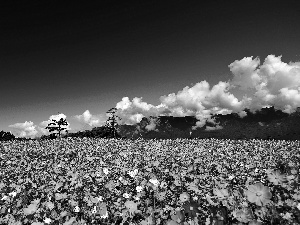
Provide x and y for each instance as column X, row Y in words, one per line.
column 111, row 122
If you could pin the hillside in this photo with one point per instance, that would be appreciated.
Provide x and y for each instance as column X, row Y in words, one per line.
column 267, row 123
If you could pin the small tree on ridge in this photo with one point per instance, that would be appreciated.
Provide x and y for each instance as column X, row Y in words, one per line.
column 57, row 126
column 112, row 121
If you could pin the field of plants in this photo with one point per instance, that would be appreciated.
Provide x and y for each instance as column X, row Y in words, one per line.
column 169, row 182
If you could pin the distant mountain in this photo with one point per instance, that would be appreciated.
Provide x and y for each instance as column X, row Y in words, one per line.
column 267, row 123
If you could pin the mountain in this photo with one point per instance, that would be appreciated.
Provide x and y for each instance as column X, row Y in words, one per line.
column 267, row 123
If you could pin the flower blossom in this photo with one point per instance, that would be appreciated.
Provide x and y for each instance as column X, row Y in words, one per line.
column 258, row 194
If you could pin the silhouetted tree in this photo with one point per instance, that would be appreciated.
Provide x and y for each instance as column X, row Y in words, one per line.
column 111, row 122
column 57, row 126
column 6, row 136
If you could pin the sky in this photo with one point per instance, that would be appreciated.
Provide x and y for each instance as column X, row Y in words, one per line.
column 177, row 58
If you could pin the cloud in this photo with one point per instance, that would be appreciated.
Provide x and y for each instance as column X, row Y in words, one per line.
column 218, row 127
column 29, row 130
column 26, row 129
column 199, row 101
column 91, row 120
column 244, row 71
column 151, row 125
column 132, row 112
column 56, row 117
column 273, row 83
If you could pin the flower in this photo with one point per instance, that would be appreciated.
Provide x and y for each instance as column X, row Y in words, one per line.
column 76, row 209
column 4, row 197
column 100, row 198
column 244, row 215
column 231, row 177
column 13, row 194
column 105, row 170
column 191, row 208
column 131, row 206
column 276, row 177
column 258, row 194
column 139, row 188
column 47, row 220
column 287, row 216
column 177, row 216
column 133, row 173
column 50, row 205
column 94, row 210
column 221, row 193
column 163, row 184
column 126, row 195
column 105, row 215
column 184, row 197
column 101, row 209
column 155, row 182
column 161, row 196
column 32, row 208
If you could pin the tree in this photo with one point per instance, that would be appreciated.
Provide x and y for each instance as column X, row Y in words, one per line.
column 111, row 122
column 6, row 136
column 57, row 126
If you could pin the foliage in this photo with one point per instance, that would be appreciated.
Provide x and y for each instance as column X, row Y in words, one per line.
column 6, row 136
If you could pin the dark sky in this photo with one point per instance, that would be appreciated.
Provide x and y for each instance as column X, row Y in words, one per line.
column 69, row 58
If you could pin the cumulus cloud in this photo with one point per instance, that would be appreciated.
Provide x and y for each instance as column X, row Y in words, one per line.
column 26, row 129
column 56, row 117
column 199, row 101
column 87, row 118
column 273, row 83
column 133, row 111
column 151, row 125
column 29, row 130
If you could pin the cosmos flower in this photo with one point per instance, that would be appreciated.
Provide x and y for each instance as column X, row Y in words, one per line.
column 244, row 215
column 258, row 194
column 276, row 177
column 184, row 197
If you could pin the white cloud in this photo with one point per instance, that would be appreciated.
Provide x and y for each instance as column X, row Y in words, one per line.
column 197, row 101
column 274, row 83
column 133, row 112
column 218, row 127
column 151, row 125
column 56, row 117
column 26, row 129
column 242, row 114
column 245, row 74
column 29, row 130
column 88, row 119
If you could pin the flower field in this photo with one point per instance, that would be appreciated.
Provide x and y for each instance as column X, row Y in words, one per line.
column 170, row 182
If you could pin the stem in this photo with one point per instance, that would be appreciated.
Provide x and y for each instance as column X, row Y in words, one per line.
column 154, row 208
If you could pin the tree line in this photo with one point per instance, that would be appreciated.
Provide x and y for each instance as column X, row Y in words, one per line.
column 109, row 130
